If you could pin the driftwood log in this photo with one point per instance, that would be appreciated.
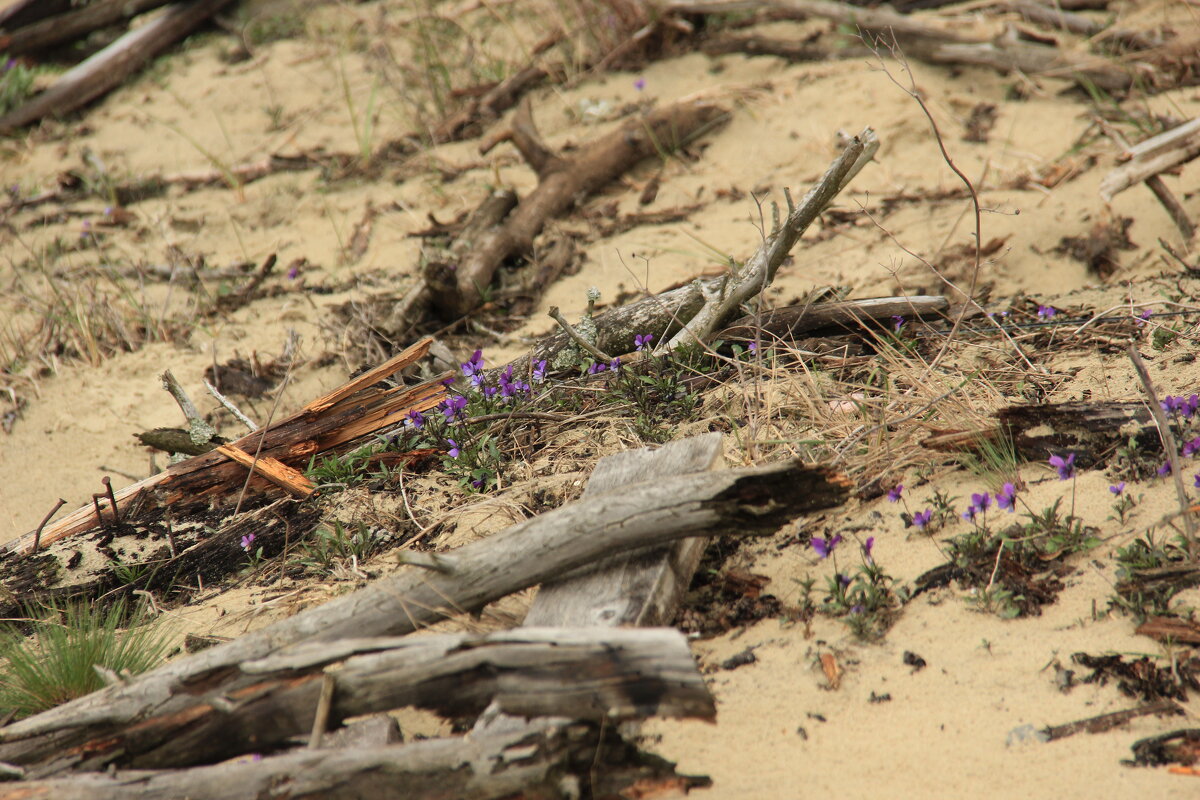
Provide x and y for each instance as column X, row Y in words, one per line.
column 1153, row 157
column 934, row 44
column 544, row 761
column 563, row 181
column 107, row 69
column 88, row 733
column 585, row 674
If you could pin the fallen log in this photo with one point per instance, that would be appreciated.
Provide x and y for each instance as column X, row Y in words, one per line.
column 565, row 181
column 545, row 761
column 108, row 68
column 818, row 319
column 336, row 420
column 87, row 733
column 587, row 674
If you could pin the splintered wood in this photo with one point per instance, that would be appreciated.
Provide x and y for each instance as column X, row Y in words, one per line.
column 339, row 419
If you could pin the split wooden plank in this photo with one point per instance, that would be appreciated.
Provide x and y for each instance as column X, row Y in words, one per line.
column 1153, row 157
column 272, row 469
column 637, row 588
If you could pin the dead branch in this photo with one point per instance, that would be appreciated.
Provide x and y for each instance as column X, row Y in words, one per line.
column 742, row 501
column 72, row 25
column 1153, row 157
column 723, row 300
column 107, row 69
column 564, row 181
column 545, row 763
column 820, row 318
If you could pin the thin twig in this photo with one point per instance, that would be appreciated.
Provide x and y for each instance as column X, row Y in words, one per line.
column 37, row 536
column 579, row 340
column 1168, row 440
column 324, row 705
column 225, row 401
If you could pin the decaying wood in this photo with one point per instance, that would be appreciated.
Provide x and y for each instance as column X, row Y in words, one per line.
column 333, row 421
column 543, row 762
column 816, row 319
column 1089, row 430
column 1172, row 628
column 564, row 181
column 1113, row 719
column 742, row 501
column 73, row 24
column 587, row 674
column 437, row 284
column 633, row 589
column 107, row 69
column 1153, row 157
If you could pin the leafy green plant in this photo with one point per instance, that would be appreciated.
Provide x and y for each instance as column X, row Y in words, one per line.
column 339, row 546
column 16, row 84
column 68, row 651
column 1145, row 596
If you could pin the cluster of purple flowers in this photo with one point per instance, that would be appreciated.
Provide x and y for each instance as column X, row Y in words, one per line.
column 473, row 369
column 1185, row 407
column 599, row 366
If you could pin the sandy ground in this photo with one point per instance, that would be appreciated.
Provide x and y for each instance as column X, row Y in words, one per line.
column 947, row 729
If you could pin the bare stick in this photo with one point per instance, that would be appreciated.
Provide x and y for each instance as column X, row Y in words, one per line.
column 759, row 270
column 574, row 334
column 225, row 401
column 37, row 537
column 324, row 704
column 1168, row 440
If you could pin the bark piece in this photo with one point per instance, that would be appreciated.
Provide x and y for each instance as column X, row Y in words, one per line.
column 504, row 764
column 742, row 501
column 107, row 69
column 563, row 182
column 272, row 469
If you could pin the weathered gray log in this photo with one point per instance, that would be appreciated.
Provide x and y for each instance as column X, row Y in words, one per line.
column 593, row 674
column 543, row 761
column 107, row 69
column 742, row 501
column 73, row 24
column 640, row 588
column 815, row 318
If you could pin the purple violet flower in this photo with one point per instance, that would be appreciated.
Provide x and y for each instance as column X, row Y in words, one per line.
column 639, row 84
column 922, row 518
column 641, row 342
column 1191, row 447
column 294, row 272
column 843, row 579
column 867, row 547
column 857, row 608
column 615, row 365
column 981, row 501
column 453, row 407
column 752, row 347
column 247, row 542
column 824, row 547
column 473, row 369
column 1196, row 480
column 417, row 419
column 595, row 367
column 1164, row 469
column 897, row 322
column 1117, row 488
column 1064, row 466
column 1006, row 497
column 539, row 371
column 894, row 494
column 1045, row 313
column 453, row 452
